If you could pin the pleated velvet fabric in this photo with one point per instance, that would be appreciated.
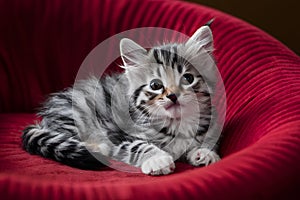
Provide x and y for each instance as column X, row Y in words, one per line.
column 42, row 45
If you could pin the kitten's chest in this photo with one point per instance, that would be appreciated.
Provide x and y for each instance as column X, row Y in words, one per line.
column 178, row 138
column 178, row 146
column 183, row 129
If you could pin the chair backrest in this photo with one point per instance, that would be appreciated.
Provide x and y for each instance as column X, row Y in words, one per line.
column 43, row 43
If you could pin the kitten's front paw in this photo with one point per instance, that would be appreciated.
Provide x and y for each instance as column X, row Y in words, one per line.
column 158, row 165
column 203, row 156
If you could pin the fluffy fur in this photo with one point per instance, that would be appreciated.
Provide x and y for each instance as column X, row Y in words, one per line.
column 157, row 111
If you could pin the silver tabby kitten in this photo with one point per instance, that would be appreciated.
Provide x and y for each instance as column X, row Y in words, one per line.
column 157, row 111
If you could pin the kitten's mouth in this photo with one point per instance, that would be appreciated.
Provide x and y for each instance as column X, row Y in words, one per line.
column 173, row 110
column 172, row 106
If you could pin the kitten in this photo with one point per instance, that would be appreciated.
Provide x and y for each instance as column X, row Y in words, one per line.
column 157, row 111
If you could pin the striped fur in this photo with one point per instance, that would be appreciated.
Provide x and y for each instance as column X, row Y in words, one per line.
column 156, row 112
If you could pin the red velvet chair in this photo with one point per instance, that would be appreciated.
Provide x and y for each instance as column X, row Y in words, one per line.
column 43, row 43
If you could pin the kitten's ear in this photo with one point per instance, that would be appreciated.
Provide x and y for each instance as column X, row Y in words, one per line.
column 131, row 52
column 202, row 38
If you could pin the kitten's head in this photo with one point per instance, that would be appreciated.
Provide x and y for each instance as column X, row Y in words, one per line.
column 172, row 80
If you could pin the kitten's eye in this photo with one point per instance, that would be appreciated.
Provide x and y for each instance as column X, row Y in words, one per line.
column 187, row 79
column 156, row 84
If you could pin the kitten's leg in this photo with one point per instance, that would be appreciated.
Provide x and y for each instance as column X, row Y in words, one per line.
column 148, row 157
column 204, row 153
column 202, row 156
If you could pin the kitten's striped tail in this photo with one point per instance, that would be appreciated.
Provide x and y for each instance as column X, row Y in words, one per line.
column 61, row 147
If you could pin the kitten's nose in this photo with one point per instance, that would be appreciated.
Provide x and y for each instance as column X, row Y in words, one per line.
column 172, row 97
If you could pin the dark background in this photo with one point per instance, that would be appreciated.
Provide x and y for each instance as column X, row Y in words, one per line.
column 279, row 18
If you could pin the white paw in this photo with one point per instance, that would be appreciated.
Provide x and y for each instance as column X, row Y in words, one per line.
column 158, row 165
column 203, row 156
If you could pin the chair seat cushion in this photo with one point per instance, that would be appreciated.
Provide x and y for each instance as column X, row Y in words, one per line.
column 25, row 176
